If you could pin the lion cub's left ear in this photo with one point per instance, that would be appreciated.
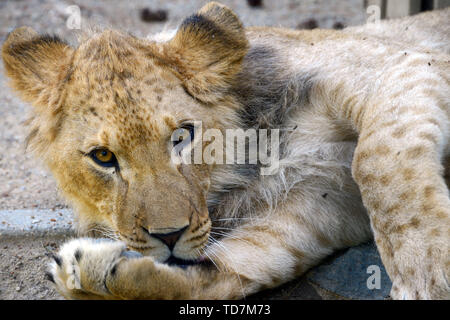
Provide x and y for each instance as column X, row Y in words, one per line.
column 207, row 51
column 36, row 66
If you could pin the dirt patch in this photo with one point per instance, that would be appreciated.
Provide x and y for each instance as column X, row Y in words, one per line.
column 23, row 262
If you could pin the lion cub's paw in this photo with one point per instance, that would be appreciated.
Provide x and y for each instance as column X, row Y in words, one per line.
column 434, row 285
column 80, row 268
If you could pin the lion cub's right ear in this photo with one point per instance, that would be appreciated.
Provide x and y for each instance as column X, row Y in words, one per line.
column 36, row 65
column 207, row 51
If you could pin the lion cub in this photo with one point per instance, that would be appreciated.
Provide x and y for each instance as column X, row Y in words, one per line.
column 356, row 123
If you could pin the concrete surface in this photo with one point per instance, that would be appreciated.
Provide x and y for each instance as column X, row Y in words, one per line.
column 35, row 222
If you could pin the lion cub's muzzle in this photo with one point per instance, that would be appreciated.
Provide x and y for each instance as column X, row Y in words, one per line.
column 180, row 246
column 169, row 239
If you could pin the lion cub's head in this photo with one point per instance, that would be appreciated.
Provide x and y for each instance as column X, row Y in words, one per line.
column 104, row 118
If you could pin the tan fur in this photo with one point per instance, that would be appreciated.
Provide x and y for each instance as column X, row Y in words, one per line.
column 368, row 105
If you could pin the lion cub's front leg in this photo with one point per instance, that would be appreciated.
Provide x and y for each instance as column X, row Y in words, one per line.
column 399, row 171
column 81, row 267
column 104, row 269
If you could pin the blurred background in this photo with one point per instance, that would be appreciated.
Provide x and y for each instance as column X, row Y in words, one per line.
column 144, row 17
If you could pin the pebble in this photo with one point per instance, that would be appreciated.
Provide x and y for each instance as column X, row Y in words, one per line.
column 338, row 25
column 148, row 15
column 309, row 24
column 255, row 3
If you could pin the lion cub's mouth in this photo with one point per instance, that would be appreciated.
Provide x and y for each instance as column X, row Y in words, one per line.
column 174, row 261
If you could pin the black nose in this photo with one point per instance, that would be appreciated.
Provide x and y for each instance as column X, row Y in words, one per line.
column 170, row 239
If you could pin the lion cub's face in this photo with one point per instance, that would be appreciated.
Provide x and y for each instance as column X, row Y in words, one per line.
column 114, row 150
column 105, row 116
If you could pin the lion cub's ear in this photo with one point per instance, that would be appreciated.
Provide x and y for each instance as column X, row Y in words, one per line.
column 207, row 51
column 36, row 65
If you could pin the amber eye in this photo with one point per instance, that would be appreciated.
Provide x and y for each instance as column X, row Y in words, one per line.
column 104, row 157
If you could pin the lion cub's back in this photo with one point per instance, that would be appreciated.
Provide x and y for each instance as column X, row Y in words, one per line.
column 429, row 29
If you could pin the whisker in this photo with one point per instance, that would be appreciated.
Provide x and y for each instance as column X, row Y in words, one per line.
column 103, row 232
column 212, row 260
column 216, row 243
column 231, row 229
column 229, row 236
column 232, row 219
column 230, row 254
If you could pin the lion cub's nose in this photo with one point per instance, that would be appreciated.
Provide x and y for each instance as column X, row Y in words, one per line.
column 170, row 239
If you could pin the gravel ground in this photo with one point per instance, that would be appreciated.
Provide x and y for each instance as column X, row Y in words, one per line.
column 24, row 181
column 23, row 262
